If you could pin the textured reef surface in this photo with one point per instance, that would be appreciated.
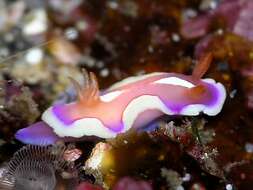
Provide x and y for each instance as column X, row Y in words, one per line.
column 44, row 43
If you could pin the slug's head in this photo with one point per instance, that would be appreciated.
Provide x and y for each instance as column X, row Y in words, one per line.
column 68, row 120
column 86, row 96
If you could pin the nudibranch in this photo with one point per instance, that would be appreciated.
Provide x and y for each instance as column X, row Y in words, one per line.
column 131, row 103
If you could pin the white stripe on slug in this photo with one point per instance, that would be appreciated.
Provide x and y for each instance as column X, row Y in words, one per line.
column 80, row 128
column 110, row 96
column 192, row 109
column 139, row 105
column 175, row 81
column 133, row 79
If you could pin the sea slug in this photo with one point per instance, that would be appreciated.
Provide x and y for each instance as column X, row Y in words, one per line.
column 131, row 103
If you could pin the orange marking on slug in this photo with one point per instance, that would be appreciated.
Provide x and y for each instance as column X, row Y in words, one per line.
column 202, row 66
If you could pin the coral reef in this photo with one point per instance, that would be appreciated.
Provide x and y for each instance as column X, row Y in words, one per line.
column 43, row 43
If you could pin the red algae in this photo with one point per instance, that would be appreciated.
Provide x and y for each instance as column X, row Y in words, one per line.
column 127, row 183
column 242, row 176
column 233, row 16
column 88, row 186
